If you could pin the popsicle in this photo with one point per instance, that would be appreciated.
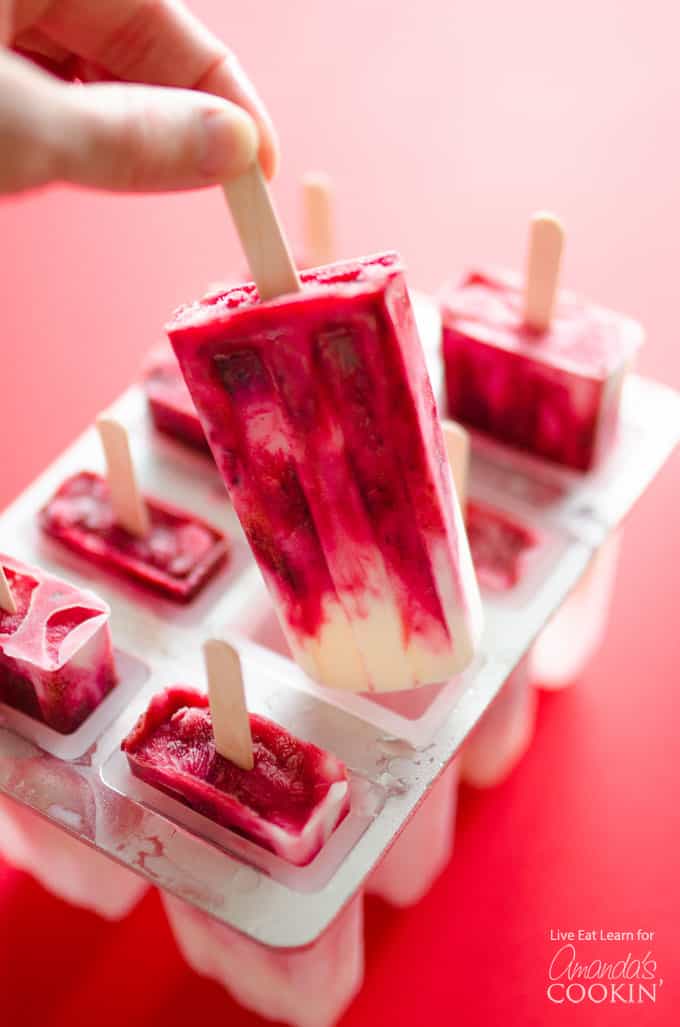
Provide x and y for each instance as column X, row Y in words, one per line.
column 500, row 543
column 170, row 404
column 500, row 546
column 502, row 736
column 537, row 369
column 320, row 415
column 172, row 552
column 308, row 987
column 290, row 802
column 568, row 643
column 56, row 657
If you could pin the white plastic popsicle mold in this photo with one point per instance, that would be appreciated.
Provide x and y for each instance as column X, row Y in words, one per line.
column 502, row 736
column 61, row 863
column 396, row 746
column 582, row 617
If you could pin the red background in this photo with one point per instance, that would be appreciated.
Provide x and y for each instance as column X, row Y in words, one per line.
column 443, row 126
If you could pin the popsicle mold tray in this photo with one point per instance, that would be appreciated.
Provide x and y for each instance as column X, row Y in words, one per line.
column 396, row 745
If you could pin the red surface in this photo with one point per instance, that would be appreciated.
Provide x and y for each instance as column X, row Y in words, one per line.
column 585, row 834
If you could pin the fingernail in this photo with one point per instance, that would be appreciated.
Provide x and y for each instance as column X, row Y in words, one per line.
column 229, row 143
column 247, row 95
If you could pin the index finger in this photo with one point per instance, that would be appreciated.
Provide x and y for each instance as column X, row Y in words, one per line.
column 158, row 42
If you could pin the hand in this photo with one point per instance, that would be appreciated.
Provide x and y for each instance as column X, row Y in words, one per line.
column 100, row 132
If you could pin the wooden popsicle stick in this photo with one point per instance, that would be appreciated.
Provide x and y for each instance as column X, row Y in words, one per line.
column 261, row 235
column 546, row 240
column 7, row 602
column 317, row 210
column 128, row 504
column 457, row 443
column 231, row 723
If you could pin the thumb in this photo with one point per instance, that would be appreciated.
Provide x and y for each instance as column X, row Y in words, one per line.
column 117, row 137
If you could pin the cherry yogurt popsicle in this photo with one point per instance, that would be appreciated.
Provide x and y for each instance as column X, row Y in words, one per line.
column 542, row 371
column 171, row 407
column 56, row 656
column 538, row 369
column 500, row 546
column 290, row 802
column 320, row 416
column 56, row 664
column 176, row 556
column 170, row 404
column 555, row 394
